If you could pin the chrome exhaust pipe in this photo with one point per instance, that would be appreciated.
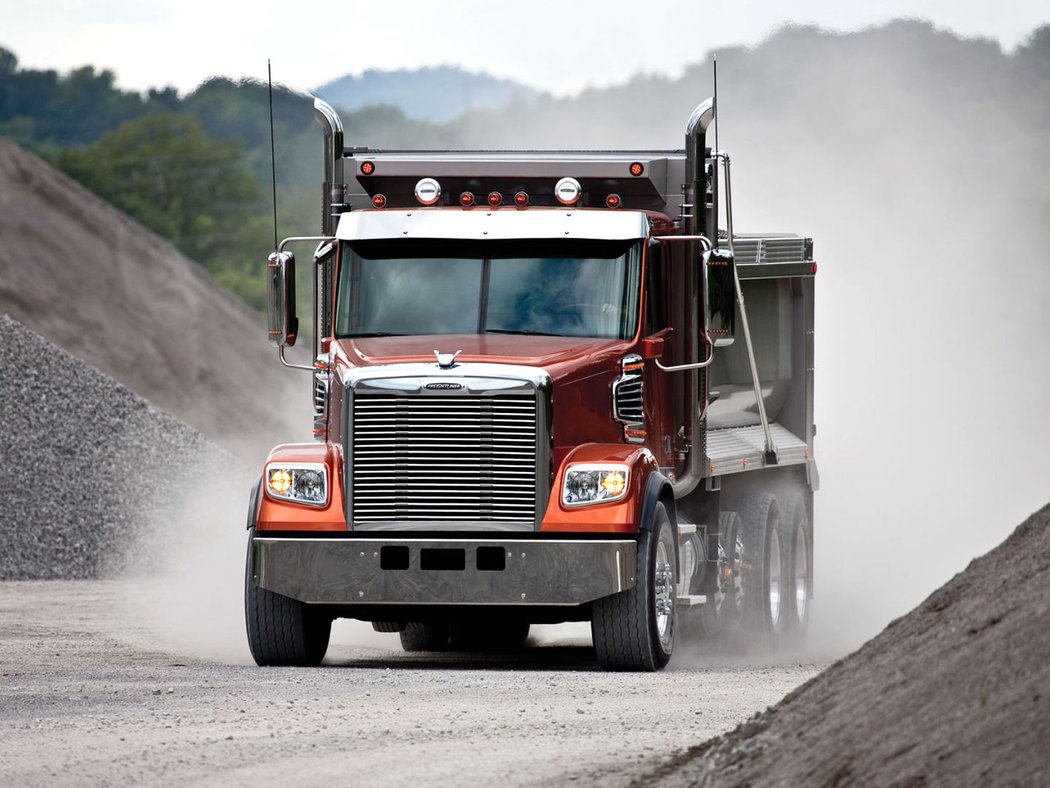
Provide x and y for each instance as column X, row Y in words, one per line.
column 334, row 187
column 695, row 223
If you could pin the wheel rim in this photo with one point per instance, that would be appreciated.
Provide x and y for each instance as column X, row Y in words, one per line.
column 801, row 572
column 663, row 598
column 729, row 588
column 774, row 576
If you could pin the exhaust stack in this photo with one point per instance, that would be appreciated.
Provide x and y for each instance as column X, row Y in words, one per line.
column 696, row 223
column 334, row 188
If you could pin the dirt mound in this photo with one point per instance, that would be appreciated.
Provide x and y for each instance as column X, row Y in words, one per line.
column 90, row 471
column 109, row 291
column 957, row 692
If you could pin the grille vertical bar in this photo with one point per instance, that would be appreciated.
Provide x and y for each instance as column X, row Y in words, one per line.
column 450, row 458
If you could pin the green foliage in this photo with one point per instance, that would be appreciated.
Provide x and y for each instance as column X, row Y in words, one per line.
column 196, row 169
column 186, row 186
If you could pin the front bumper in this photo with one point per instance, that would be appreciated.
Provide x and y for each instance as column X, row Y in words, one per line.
column 411, row 571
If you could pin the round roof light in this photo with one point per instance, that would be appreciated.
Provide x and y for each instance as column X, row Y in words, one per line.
column 568, row 191
column 495, row 199
column 367, row 167
column 613, row 201
column 428, row 191
column 521, row 199
column 466, row 199
column 637, row 168
column 379, row 201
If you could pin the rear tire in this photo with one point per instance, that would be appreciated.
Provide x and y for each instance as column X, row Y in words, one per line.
column 763, row 612
column 488, row 635
column 420, row 636
column 635, row 629
column 798, row 600
column 282, row 630
column 719, row 617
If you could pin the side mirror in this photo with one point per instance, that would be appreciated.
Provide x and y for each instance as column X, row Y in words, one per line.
column 284, row 324
column 719, row 296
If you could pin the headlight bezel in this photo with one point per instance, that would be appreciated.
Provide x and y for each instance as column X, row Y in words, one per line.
column 292, row 468
column 577, row 468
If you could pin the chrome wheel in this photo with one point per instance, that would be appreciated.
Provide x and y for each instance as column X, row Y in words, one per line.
column 664, row 589
column 801, row 551
column 775, row 576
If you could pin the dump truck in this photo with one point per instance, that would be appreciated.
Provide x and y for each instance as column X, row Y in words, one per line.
column 549, row 386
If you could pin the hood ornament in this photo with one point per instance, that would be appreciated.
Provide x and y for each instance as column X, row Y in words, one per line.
column 447, row 360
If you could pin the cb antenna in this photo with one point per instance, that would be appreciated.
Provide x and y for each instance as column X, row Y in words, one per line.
column 273, row 157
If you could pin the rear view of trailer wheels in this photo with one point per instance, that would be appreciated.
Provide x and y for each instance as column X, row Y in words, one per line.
column 420, row 636
column 798, row 535
column 763, row 613
column 281, row 630
column 635, row 629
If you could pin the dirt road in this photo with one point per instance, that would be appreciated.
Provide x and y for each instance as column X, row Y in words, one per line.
column 85, row 699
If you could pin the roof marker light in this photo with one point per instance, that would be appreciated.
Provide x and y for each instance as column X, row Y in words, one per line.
column 368, row 167
column 495, row 198
column 568, row 191
column 379, row 201
column 637, row 168
column 428, row 191
column 466, row 199
column 521, row 199
column 613, row 201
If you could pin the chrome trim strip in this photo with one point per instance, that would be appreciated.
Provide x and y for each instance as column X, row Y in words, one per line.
column 536, row 571
column 493, row 225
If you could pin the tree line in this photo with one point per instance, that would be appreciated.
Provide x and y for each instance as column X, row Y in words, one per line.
column 196, row 168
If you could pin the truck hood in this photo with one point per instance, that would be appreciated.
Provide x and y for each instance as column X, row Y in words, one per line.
column 558, row 355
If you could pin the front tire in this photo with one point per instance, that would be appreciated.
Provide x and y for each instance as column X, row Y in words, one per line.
column 282, row 630
column 635, row 629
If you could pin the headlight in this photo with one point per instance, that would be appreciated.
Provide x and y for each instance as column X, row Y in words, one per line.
column 594, row 483
column 305, row 482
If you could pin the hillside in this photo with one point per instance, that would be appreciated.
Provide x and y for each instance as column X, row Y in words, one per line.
column 102, row 287
column 436, row 95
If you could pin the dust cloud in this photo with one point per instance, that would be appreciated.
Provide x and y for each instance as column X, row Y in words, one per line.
column 932, row 319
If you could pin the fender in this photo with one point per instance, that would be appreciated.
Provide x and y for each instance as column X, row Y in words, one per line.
column 253, row 504
column 657, row 488
column 624, row 516
column 275, row 515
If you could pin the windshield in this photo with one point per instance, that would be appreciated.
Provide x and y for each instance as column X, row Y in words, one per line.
column 572, row 288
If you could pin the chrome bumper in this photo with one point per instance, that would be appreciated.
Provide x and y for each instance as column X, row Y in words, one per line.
column 410, row 571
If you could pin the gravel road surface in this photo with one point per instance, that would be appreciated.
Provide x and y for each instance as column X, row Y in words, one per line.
column 87, row 697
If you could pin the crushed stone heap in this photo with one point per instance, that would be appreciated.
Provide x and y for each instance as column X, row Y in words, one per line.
column 957, row 692
column 109, row 291
column 86, row 467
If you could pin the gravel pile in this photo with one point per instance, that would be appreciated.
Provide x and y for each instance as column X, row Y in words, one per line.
column 87, row 468
column 957, row 692
column 101, row 286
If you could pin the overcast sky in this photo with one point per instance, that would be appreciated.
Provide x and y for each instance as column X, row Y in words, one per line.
column 560, row 46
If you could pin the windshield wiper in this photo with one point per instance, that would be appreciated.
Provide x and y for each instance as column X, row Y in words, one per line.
column 527, row 331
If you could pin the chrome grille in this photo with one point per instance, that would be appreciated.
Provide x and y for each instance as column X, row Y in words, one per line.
column 435, row 459
column 322, row 383
column 628, row 399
